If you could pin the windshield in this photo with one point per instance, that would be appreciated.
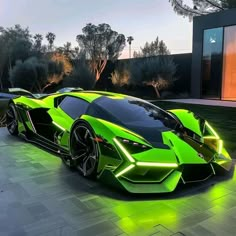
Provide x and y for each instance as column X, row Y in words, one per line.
column 131, row 111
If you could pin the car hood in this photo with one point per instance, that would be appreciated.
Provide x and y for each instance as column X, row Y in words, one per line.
column 174, row 149
column 152, row 132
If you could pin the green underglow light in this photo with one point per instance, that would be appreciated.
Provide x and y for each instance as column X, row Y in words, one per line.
column 212, row 130
column 155, row 164
column 125, row 170
column 58, row 126
column 130, row 158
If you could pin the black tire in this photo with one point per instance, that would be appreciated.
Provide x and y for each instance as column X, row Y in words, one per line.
column 12, row 120
column 67, row 160
column 84, row 149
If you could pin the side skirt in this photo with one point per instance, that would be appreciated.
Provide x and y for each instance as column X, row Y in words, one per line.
column 45, row 143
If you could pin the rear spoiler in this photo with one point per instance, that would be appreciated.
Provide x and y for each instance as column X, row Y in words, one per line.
column 5, row 96
column 69, row 89
column 14, row 92
column 11, row 93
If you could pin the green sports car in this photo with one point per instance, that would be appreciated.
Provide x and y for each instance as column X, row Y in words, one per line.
column 122, row 140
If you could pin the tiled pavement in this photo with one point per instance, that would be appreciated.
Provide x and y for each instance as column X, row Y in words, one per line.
column 40, row 196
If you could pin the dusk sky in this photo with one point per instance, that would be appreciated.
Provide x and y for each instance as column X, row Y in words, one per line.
column 142, row 19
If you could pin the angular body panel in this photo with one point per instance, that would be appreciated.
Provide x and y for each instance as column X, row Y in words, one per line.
column 122, row 140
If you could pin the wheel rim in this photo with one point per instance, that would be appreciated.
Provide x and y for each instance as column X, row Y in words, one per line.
column 84, row 150
column 11, row 120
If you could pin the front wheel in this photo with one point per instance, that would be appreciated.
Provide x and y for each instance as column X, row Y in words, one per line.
column 11, row 120
column 84, row 149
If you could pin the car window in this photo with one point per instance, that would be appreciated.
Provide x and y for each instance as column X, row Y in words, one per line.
column 131, row 111
column 101, row 113
column 74, row 107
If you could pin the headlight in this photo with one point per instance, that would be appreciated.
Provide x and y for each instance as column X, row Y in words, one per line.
column 212, row 139
column 131, row 146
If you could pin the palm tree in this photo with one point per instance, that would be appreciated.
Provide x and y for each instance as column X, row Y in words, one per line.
column 38, row 41
column 129, row 40
column 50, row 37
column 67, row 49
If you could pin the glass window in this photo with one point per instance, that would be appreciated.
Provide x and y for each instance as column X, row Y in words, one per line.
column 74, row 107
column 229, row 64
column 212, row 63
column 130, row 111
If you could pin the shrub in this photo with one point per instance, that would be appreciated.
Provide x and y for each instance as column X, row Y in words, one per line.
column 159, row 72
column 81, row 76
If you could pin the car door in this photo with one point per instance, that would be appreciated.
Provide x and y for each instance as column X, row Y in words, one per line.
column 66, row 111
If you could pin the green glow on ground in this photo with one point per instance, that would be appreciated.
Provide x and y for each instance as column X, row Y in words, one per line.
column 39, row 179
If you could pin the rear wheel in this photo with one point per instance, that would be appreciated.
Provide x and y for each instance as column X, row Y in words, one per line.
column 84, row 149
column 11, row 120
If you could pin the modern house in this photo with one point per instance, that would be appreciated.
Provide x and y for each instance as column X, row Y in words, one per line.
column 214, row 56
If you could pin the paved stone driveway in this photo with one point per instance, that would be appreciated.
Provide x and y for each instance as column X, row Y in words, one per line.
column 40, row 196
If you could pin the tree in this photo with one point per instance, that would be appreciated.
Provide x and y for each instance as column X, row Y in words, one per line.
column 36, row 74
column 3, row 60
column 15, row 44
column 50, row 37
column 201, row 7
column 64, row 60
column 38, row 42
column 121, row 75
column 21, row 50
column 81, row 76
column 155, row 71
column 55, row 72
column 163, row 50
column 69, row 52
column 120, row 78
column 100, row 43
column 66, row 49
column 129, row 40
column 30, row 74
column 154, row 48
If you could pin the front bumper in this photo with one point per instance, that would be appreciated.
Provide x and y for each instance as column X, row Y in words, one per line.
column 145, row 181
